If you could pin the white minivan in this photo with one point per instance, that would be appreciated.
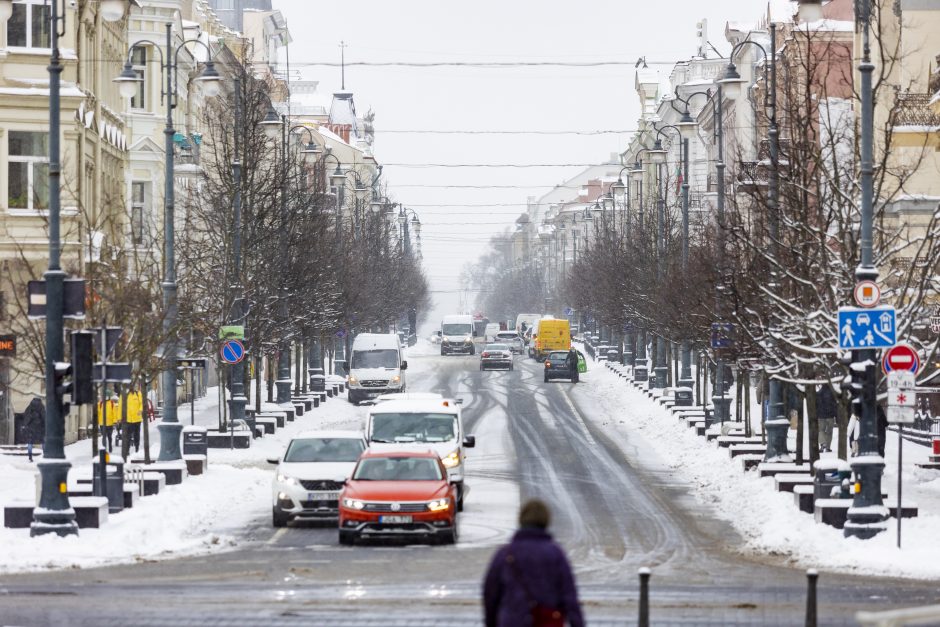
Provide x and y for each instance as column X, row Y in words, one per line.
column 376, row 366
column 420, row 423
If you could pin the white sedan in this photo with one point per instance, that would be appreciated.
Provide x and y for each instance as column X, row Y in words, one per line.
column 496, row 356
column 311, row 475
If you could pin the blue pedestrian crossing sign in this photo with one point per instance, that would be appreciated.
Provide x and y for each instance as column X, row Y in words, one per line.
column 874, row 327
column 232, row 351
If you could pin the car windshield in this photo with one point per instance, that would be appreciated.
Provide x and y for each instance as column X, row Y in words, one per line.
column 507, row 337
column 324, row 450
column 398, row 469
column 497, row 347
column 375, row 358
column 456, row 329
column 558, row 356
column 413, row 427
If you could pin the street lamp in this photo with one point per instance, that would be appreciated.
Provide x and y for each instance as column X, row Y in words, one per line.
column 238, row 400
column 721, row 404
column 810, row 10
column 54, row 513
column 640, row 368
column 867, row 516
column 170, row 426
column 776, row 424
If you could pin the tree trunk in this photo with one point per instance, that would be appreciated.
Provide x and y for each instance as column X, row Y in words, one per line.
column 145, row 422
column 259, row 361
column 842, row 420
column 799, row 427
column 271, row 366
column 812, row 423
column 746, row 381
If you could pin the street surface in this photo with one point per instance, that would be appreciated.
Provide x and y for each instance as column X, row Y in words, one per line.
column 613, row 512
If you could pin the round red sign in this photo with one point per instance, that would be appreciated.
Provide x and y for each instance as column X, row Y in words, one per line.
column 900, row 357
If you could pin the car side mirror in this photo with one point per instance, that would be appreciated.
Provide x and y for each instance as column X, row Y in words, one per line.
column 346, row 367
column 274, row 460
column 404, row 365
column 470, row 441
column 440, row 333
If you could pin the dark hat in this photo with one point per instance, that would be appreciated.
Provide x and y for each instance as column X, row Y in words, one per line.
column 535, row 513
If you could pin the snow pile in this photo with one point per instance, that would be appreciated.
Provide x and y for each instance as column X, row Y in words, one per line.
column 769, row 521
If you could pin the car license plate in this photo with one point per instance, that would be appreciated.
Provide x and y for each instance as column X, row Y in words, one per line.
column 323, row 496
column 395, row 519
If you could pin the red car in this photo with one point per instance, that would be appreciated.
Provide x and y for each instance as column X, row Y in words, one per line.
column 398, row 494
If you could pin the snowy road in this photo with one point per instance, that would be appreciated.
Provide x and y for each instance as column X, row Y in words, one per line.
column 616, row 508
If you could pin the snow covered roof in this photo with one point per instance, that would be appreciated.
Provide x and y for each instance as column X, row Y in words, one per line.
column 343, row 111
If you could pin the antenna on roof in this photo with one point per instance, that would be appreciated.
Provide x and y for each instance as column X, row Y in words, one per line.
column 342, row 64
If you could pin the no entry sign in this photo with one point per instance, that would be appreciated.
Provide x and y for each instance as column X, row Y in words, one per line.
column 900, row 357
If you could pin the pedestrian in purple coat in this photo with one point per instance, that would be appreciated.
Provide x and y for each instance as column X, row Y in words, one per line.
column 529, row 581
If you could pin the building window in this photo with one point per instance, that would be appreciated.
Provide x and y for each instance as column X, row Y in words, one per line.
column 225, row 5
column 139, row 63
column 28, row 26
column 138, row 211
column 28, row 170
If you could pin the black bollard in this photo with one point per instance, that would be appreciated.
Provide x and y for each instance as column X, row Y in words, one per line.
column 811, row 576
column 644, row 620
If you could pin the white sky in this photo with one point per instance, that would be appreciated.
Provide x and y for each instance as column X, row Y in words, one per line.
column 484, row 99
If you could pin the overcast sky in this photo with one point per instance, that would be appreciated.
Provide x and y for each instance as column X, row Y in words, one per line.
column 458, row 221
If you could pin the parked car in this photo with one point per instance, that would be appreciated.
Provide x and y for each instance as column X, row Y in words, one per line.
column 556, row 367
column 496, row 356
column 311, row 474
column 512, row 340
column 419, row 424
column 398, row 494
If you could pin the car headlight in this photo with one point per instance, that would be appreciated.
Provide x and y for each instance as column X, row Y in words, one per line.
column 395, row 379
column 286, row 480
column 439, row 505
column 353, row 380
column 452, row 460
column 468, row 340
column 353, row 503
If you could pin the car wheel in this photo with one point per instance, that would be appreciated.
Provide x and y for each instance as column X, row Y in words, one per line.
column 460, row 498
column 450, row 537
column 346, row 538
column 576, row 379
column 510, row 367
column 546, row 378
column 481, row 366
column 278, row 518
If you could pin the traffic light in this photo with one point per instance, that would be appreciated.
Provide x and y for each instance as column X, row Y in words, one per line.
column 856, row 380
column 82, row 386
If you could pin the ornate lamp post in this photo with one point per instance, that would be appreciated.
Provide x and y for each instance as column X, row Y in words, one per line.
column 54, row 513
column 658, row 156
column 127, row 81
column 776, row 424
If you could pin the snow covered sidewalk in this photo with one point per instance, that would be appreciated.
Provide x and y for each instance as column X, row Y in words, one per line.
column 767, row 520
column 196, row 517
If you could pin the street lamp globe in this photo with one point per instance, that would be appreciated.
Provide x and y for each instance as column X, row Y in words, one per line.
column 402, row 218
column 271, row 124
column 619, row 191
column 731, row 82
column 127, row 80
column 637, row 172
column 810, row 10
column 608, row 201
column 376, row 205
column 416, row 225
column 112, row 10
column 688, row 127
column 338, row 178
column 310, row 149
column 210, row 80
column 657, row 153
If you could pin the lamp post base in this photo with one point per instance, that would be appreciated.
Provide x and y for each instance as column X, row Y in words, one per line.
column 54, row 514
column 283, row 390
column 660, row 374
column 684, row 393
column 777, row 440
column 868, row 516
column 170, row 433
column 641, row 373
column 628, row 359
column 236, row 406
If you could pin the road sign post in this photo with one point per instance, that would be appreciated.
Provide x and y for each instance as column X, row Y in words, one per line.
column 902, row 401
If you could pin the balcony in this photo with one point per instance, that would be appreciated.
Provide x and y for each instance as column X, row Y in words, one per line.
column 915, row 110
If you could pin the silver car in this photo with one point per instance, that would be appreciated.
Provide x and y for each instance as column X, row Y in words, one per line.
column 496, row 356
column 512, row 340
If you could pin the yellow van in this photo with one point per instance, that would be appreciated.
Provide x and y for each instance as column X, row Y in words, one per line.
column 553, row 335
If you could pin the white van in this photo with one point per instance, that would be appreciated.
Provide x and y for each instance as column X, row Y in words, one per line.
column 376, row 366
column 526, row 319
column 457, row 334
column 422, row 423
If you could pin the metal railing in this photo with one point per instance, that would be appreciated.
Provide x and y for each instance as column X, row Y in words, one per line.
column 914, row 110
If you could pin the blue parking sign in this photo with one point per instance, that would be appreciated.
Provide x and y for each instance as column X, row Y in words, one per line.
column 867, row 328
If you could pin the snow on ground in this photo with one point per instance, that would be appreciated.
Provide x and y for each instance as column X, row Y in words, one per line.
column 195, row 517
column 768, row 521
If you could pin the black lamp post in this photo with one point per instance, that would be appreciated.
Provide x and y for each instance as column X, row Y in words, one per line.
column 776, row 424
column 658, row 156
column 641, row 367
column 54, row 513
column 170, row 426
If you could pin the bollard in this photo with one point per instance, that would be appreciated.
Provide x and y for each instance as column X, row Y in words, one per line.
column 103, row 472
column 811, row 576
column 644, row 619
